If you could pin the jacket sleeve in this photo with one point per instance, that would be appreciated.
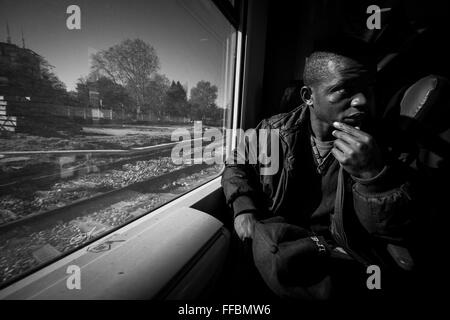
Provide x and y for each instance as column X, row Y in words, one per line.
column 385, row 205
column 241, row 179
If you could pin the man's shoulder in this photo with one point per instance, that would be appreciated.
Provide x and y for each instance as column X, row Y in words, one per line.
column 288, row 120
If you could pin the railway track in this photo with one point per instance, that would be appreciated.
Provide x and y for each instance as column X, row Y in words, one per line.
column 99, row 200
column 94, row 203
column 128, row 156
column 75, row 171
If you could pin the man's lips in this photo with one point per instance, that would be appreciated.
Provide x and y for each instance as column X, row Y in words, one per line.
column 356, row 116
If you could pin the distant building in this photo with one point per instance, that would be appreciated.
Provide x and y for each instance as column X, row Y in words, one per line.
column 13, row 55
column 13, row 61
column 12, row 58
column 94, row 99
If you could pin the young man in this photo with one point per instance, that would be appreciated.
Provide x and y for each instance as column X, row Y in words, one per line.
column 336, row 178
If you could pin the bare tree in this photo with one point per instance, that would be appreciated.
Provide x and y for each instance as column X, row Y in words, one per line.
column 130, row 64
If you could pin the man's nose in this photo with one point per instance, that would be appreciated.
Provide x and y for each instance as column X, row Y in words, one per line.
column 359, row 101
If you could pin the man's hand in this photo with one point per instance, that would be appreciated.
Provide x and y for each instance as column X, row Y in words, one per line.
column 244, row 225
column 357, row 151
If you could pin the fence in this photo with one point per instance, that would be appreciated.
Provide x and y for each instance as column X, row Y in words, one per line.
column 18, row 112
column 7, row 122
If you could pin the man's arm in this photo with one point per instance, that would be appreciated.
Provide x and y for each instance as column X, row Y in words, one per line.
column 243, row 190
column 239, row 183
column 383, row 195
column 386, row 204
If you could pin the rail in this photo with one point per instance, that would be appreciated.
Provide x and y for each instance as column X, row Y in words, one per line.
column 131, row 151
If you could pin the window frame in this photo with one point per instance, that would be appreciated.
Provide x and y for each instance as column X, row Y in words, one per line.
column 232, row 13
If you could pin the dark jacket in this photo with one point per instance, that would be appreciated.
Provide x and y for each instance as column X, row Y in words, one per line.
column 368, row 214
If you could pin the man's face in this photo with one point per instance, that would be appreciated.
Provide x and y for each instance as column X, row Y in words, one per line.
column 345, row 95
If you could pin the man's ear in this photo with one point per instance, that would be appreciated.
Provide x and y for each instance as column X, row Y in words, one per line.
column 306, row 94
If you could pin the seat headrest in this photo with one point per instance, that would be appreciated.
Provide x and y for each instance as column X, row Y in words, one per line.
column 428, row 102
column 424, row 119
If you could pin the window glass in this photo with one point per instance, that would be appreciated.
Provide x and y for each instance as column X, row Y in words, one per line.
column 97, row 101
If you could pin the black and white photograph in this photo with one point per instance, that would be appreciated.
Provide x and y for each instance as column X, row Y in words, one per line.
column 225, row 159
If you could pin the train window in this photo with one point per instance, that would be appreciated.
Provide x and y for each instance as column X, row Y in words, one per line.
column 93, row 97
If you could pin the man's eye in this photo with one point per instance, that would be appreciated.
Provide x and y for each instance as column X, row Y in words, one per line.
column 337, row 96
column 342, row 92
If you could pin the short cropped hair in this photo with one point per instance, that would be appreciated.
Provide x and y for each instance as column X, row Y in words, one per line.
column 316, row 67
column 337, row 49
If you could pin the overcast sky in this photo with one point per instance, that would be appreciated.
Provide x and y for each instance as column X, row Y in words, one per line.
column 189, row 35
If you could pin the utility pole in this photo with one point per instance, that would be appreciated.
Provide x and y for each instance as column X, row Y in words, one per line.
column 8, row 35
column 23, row 40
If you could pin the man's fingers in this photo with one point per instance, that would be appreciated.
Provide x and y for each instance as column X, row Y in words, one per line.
column 338, row 154
column 343, row 146
column 247, row 231
column 349, row 129
column 350, row 139
column 242, row 233
column 243, row 227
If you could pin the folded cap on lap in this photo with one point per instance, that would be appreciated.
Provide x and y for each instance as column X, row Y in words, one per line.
column 291, row 260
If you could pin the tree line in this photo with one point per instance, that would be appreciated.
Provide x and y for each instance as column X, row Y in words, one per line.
column 127, row 78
